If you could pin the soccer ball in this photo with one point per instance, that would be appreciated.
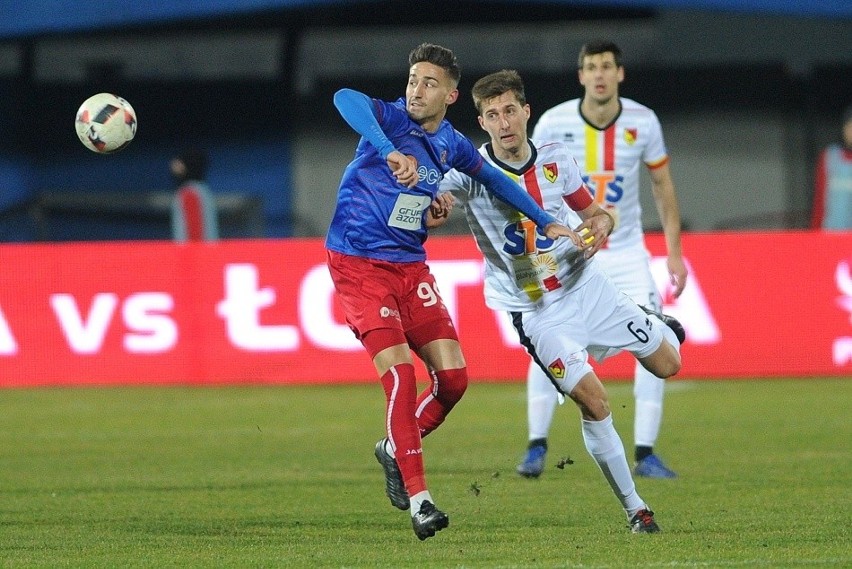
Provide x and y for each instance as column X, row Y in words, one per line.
column 105, row 123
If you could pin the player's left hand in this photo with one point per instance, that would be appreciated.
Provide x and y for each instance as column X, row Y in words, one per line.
column 594, row 232
column 439, row 211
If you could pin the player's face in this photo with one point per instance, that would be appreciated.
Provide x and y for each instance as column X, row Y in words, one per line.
column 600, row 77
column 847, row 134
column 428, row 94
column 505, row 121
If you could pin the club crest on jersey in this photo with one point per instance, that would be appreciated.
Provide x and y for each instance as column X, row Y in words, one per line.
column 630, row 135
column 551, row 171
column 557, row 368
column 444, row 157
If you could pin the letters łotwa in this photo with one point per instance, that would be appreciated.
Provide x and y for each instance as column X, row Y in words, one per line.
column 265, row 311
column 151, row 329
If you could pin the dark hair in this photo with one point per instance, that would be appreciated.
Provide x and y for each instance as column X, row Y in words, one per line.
column 596, row 47
column 847, row 114
column 495, row 84
column 436, row 55
column 196, row 163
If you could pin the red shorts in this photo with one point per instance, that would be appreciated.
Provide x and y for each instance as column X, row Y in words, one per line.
column 380, row 294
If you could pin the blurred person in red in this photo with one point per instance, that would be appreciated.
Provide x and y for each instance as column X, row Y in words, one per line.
column 194, row 215
column 832, row 207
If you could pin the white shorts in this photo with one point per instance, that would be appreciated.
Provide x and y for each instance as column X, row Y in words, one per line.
column 594, row 320
column 630, row 271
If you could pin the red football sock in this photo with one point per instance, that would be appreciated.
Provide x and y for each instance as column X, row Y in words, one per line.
column 400, row 386
column 436, row 402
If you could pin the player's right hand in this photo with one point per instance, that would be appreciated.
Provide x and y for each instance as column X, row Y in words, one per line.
column 404, row 168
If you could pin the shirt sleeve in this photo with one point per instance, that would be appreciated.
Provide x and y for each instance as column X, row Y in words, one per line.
column 655, row 153
column 451, row 182
column 578, row 196
column 357, row 110
column 579, row 199
column 511, row 193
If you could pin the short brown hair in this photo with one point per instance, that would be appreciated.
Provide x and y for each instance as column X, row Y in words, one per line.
column 436, row 55
column 495, row 84
column 599, row 46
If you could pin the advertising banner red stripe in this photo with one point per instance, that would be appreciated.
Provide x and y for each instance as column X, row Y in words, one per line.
column 264, row 311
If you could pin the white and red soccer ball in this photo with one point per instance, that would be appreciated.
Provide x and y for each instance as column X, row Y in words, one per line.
column 105, row 123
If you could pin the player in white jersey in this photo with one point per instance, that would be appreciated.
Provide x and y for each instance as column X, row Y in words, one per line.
column 611, row 138
column 563, row 307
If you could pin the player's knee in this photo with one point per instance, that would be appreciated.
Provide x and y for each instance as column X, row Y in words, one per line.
column 591, row 397
column 675, row 365
column 452, row 383
column 670, row 362
column 665, row 362
column 594, row 409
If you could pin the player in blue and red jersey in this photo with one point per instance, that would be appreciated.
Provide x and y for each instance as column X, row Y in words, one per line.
column 377, row 260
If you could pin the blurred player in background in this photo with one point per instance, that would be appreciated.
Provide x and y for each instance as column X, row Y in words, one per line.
column 194, row 214
column 377, row 260
column 611, row 137
column 832, row 208
column 563, row 307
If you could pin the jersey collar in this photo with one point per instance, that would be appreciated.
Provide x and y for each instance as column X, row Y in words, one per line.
column 612, row 122
column 516, row 171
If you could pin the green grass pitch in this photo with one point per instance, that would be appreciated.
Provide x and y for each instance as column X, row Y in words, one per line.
column 264, row 476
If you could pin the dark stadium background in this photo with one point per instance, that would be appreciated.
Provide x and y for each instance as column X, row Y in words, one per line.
column 748, row 93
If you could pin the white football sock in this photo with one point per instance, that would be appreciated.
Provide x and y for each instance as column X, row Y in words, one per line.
column 541, row 403
column 389, row 449
column 648, row 390
column 605, row 446
column 418, row 499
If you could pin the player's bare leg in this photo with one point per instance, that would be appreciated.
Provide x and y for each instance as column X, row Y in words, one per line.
column 605, row 446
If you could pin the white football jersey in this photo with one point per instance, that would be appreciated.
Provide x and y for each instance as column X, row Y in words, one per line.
column 521, row 264
column 610, row 159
